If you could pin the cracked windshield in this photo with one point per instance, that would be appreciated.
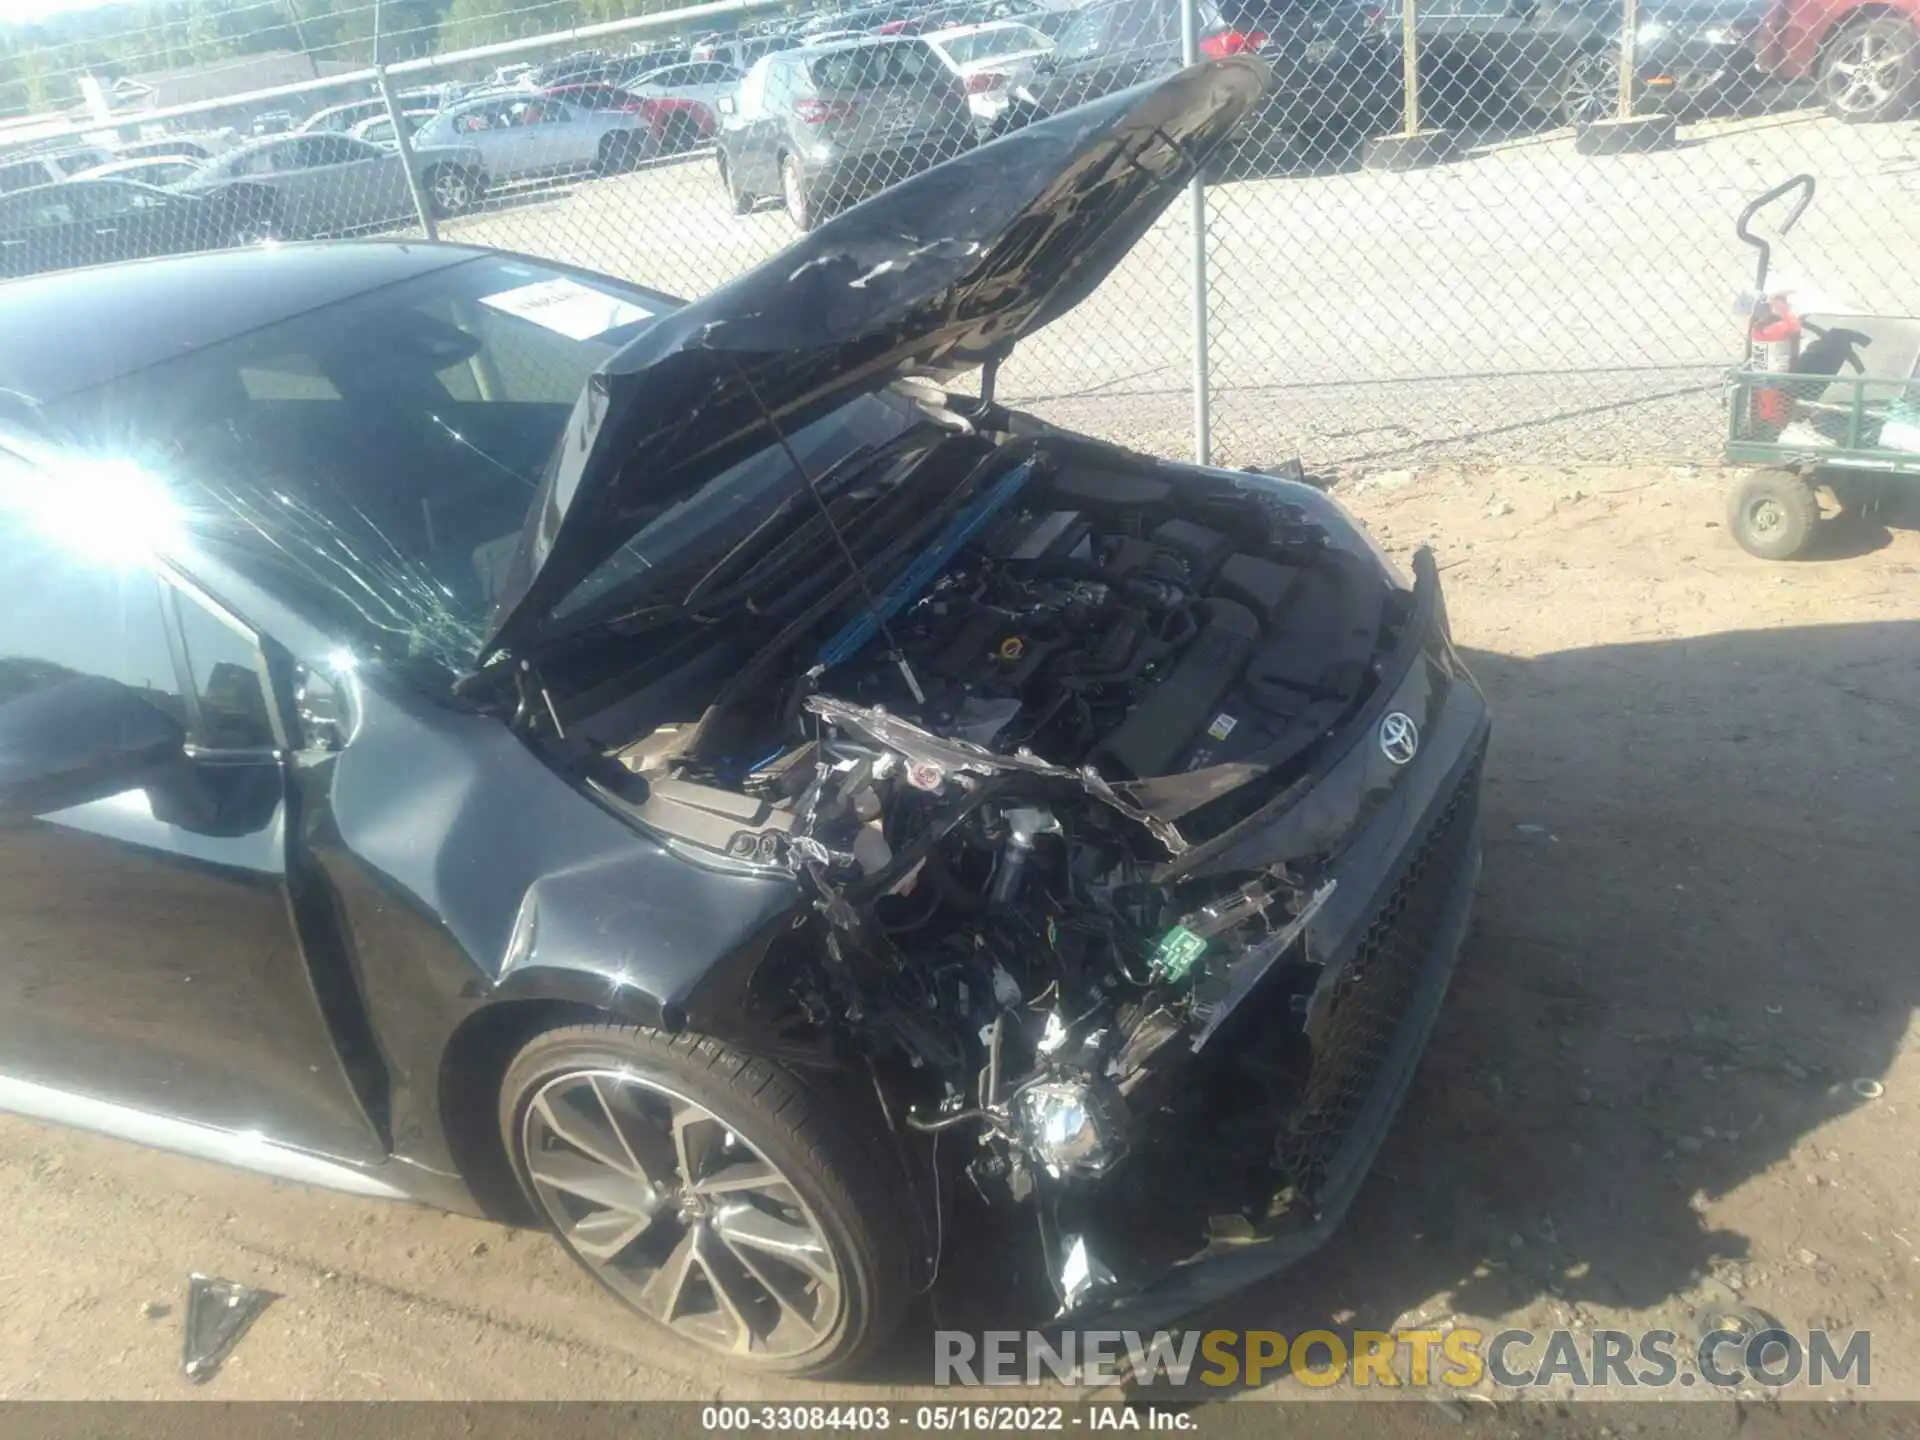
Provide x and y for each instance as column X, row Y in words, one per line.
column 380, row 453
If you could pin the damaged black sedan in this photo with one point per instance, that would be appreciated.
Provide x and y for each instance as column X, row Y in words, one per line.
column 482, row 732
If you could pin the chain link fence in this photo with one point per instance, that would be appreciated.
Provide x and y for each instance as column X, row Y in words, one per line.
column 1486, row 229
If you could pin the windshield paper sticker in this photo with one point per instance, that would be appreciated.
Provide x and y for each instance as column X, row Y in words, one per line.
column 569, row 308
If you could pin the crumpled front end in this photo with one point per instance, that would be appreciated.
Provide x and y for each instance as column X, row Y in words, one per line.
column 1132, row 811
column 1258, row 1160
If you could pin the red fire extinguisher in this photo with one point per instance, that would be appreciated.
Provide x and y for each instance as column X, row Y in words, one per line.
column 1773, row 344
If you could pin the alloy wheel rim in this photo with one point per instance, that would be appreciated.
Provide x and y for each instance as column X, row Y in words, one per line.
column 450, row 191
column 1766, row 516
column 1592, row 88
column 681, row 1216
column 1864, row 72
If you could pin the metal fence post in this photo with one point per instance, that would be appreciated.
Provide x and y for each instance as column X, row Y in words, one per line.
column 1197, row 202
column 422, row 202
column 1629, row 48
column 1410, row 63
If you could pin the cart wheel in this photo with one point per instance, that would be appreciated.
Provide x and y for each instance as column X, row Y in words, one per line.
column 1774, row 514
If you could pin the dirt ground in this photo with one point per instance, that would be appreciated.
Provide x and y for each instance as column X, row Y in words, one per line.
column 1693, row 937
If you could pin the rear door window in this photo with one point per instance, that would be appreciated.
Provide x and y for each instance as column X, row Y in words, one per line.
column 871, row 67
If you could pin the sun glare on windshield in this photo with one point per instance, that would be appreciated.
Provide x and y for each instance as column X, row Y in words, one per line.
column 106, row 509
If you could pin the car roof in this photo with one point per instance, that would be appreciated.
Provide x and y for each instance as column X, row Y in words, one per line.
column 114, row 320
column 255, row 146
column 68, row 185
column 833, row 47
column 117, row 169
column 954, row 32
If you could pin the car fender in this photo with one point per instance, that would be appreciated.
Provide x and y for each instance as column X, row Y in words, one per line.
column 539, row 887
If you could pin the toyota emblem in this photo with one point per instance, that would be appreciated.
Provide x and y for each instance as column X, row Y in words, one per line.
column 1399, row 738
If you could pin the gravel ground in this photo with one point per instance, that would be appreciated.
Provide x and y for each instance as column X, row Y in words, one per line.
column 1693, row 933
column 1359, row 316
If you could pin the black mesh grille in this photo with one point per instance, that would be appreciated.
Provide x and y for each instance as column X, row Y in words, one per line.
column 1351, row 1034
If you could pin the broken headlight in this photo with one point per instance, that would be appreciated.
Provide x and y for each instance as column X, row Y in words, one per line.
column 1068, row 1128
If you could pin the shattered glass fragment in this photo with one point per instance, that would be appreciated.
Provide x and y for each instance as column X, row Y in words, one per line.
column 219, row 1312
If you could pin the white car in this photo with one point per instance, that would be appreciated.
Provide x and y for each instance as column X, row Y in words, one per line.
column 160, row 171
column 707, row 81
column 31, row 170
column 378, row 129
column 991, row 59
column 340, row 119
column 523, row 135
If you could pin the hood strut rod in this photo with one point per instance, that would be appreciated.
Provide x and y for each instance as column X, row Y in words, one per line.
column 894, row 652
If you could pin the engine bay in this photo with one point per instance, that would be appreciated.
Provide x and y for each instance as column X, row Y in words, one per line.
column 978, row 771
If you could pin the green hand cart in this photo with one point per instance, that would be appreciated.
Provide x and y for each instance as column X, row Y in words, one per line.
column 1841, row 415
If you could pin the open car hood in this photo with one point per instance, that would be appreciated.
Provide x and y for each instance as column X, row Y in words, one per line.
column 940, row 273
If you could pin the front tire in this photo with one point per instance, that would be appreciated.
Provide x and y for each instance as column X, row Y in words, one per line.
column 738, row 200
column 714, row 1192
column 452, row 190
column 802, row 209
column 252, row 217
column 1774, row 515
column 619, row 152
column 1590, row 90
column 1871, row 71
column 679, row 134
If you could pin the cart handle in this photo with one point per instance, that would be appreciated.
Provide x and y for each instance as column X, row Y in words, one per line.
column 1802, row 183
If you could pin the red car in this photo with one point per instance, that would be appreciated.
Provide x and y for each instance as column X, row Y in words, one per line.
column 1864, row 54
column 673, row 124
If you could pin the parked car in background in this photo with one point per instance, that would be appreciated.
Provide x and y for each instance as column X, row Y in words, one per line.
column 654, row 57
column 705, row 81
column 295, row 186
column 159, row 171
column 524, row 136
column 1336, row 77
column 1863, row 54
column 198, row 146
column 273, row 122
column 824, row 125
column 582, row 67
column 1562, row 57
column 378, row 129
column 340, row 119
column 992, row 60
column 90, row 222
column 25, row 171
column 738, row 54
column 670, row 125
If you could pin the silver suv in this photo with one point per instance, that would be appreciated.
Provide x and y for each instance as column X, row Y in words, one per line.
column 829, row 124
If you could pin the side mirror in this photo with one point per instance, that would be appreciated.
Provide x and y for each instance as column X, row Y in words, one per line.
column 79, row 739
column 727, row 105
